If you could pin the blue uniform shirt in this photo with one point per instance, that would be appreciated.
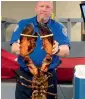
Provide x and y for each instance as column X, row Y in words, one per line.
column 37, row 56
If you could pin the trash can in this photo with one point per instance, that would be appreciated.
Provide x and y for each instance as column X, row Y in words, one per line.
column 79, row 82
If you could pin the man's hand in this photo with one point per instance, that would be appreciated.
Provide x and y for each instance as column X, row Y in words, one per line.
column 62, row 50
column 55, row 47
column 16, row 47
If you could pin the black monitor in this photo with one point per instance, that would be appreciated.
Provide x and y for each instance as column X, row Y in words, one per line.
column 82, row 6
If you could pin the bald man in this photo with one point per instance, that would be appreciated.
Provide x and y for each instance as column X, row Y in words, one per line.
column 61, row 46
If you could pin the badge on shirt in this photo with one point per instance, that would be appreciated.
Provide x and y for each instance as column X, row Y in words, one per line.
column 64, row 30
column 17, row 26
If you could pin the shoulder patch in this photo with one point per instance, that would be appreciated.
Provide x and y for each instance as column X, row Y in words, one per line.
column 64, row 31
column 17, row 26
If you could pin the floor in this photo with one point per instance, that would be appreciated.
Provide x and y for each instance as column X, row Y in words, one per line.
column 8, row 90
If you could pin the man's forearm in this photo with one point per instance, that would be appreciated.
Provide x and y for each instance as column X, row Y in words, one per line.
column 64, row 51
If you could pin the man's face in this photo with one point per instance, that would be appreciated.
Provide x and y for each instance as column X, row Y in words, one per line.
column 44, row 9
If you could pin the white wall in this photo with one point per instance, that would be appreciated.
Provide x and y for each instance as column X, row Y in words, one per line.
column 70, row 9
column 17, row 9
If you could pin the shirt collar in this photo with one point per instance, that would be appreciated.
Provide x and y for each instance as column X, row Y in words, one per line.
column 36, row 23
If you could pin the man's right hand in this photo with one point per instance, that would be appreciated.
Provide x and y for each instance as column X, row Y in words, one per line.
column 16, row 47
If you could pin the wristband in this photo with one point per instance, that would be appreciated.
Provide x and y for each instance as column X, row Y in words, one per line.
column 57, row 51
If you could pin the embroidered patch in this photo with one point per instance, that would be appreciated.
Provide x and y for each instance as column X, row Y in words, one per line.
column 17, row 26
column 64, row 30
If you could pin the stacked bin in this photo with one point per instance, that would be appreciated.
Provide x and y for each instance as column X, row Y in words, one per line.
column 79, row 82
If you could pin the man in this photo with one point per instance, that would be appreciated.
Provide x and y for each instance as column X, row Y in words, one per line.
column 61, row 45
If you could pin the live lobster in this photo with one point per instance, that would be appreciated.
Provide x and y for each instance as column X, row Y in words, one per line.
column 39, row 83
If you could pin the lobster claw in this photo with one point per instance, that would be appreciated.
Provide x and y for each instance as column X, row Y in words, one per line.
column 47, row 43
column 27, row 40
column 47, row 38
column 46, row 62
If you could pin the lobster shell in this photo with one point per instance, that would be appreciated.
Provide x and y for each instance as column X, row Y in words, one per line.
column 27, row 40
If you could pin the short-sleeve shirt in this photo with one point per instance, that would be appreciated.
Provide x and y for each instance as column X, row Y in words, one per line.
column 37, row 56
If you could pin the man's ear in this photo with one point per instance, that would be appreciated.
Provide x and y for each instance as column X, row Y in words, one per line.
column 35, row 9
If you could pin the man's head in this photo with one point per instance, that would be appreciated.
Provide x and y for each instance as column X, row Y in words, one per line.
column 43, row 10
